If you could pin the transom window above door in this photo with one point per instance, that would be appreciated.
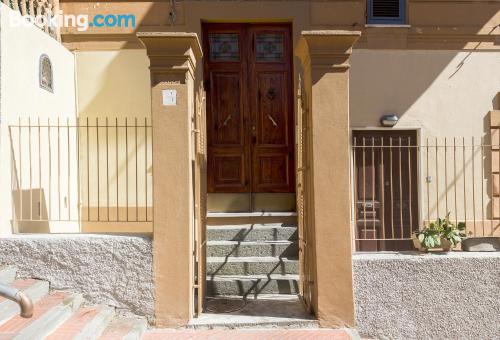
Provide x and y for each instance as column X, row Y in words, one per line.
column 269, row 47
column 224, row 47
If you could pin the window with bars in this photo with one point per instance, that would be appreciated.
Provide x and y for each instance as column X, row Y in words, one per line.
column 45, row 73
column 386, row 12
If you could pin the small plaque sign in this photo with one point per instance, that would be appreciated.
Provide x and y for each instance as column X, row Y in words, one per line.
column 169, row 97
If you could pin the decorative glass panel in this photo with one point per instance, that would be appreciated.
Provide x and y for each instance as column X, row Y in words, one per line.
column 269, row 47
column 45, row 73
column 224, row 47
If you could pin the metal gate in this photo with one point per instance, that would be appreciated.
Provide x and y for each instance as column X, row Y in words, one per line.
column 304, row 185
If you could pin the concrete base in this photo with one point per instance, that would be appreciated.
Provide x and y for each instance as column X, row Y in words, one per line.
column 228, row 203
column 427, row 296
column 265, row 312
column 106, row 269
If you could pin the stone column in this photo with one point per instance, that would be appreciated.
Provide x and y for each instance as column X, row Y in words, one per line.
column 324, row 56
column 173, row 58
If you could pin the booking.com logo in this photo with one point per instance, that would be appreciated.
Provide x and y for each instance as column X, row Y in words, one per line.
column 81, row 22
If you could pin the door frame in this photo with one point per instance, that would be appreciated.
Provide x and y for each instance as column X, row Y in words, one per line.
column 420, row 181
column 248, row 105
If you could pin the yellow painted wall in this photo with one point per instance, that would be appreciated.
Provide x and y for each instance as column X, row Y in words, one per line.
column 113, row 83
column 21, row 96
column 116, row 85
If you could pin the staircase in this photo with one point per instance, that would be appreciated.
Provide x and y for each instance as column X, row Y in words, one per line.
column 252, row 256
column 61, row 315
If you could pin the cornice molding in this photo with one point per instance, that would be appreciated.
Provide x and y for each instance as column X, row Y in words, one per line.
column 326, row 49
column 171, row 52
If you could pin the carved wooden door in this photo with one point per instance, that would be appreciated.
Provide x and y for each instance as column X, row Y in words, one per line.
column 248, row 80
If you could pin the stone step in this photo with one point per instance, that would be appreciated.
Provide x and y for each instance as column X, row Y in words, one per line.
column 35, row 289
column 287, row 249
column 7, row 274
column 251, row 266
column 85, row 323
column 49, row 312
column 253, row 232
column 252, row 285
column 273, row 312
column 126, row 329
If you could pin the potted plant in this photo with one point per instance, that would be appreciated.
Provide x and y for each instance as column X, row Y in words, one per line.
column 440, row 235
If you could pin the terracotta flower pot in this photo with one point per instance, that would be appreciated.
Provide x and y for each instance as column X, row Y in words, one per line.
column 445, row 246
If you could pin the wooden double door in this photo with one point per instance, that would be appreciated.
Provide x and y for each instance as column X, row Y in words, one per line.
column 250, row 126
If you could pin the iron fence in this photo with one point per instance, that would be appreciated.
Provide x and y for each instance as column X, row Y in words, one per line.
column 401, row 184
column 91, row 170
column 33, row 8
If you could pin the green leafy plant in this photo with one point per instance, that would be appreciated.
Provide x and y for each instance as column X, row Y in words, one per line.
column 453, row 233
column 432, row 236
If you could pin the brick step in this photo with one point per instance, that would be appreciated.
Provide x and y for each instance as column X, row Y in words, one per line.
column 7, row 274
column 253, row 232
column 59, row 315
column 287, row 249
column 252, row 285
column 51, row 311
column 35, row 289
column 85, row 323
column 125, row 328
column 251, row 266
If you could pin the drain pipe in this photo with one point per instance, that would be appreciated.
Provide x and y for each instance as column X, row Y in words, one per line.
column 18, row 297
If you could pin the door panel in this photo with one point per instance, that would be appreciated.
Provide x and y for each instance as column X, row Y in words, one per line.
column 272, row 112
column 271, row 115
column 227, row 114
column 227, row 125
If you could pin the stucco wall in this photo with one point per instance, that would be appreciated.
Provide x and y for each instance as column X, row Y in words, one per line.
column 113, row 83
column 444, row 93
column 469, row 24
column 113, row 270
column 21, row 96
column 427, row 296
column 440, row 94
column 116, row 85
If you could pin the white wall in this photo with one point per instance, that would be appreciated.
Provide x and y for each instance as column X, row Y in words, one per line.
column 21, row 96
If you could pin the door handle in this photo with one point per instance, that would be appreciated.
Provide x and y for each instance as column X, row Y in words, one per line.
column 272, row 120
column 228, row 118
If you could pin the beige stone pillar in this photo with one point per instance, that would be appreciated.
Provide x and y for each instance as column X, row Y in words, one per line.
column 173, row 58
column 324, row 56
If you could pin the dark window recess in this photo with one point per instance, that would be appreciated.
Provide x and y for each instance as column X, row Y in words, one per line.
column 386, row 11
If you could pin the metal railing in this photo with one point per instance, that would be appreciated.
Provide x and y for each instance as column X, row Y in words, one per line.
column 20, row 298
column 34, row 8
column 400, row 184
column 90, row 170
